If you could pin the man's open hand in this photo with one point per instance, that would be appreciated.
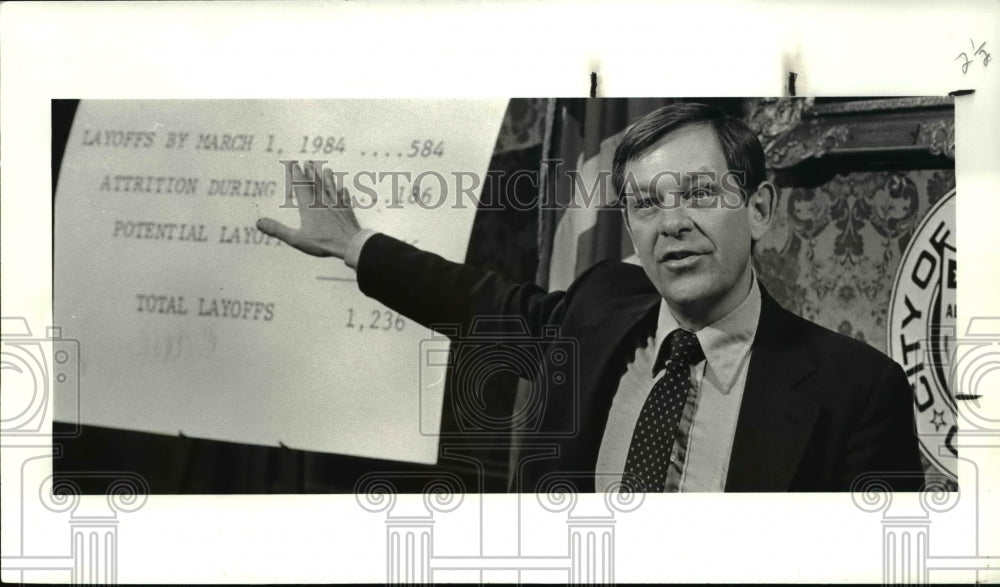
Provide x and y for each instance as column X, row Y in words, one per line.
column 327, row 229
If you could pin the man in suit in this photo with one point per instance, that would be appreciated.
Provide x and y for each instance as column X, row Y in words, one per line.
column 690, row 377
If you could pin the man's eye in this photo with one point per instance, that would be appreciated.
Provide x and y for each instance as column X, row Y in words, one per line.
column 701, row 195
column 642, row 203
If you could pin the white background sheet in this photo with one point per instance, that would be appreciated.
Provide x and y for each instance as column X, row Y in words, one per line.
column 492, row 49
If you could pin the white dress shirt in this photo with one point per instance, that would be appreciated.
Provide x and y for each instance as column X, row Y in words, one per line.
column 705, row 439
column 708, row 424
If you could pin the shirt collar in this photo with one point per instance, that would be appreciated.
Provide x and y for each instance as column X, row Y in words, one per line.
column 726, row 341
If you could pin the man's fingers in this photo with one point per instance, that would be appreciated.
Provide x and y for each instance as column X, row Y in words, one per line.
column 276, row 229
column 298, row 239
column 306, row 195
column 299, row 173
column 335, row 196
column 329, row 188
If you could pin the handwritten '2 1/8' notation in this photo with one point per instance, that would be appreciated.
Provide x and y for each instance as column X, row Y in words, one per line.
column 976, row 52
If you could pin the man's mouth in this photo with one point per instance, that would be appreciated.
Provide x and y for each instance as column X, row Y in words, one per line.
column 679, row 255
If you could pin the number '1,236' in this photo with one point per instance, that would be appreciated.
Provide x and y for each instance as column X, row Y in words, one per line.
column 379, row 320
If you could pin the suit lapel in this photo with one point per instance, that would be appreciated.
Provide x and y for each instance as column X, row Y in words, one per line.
column 775, row 422
column 611, row 339
column 605, row 350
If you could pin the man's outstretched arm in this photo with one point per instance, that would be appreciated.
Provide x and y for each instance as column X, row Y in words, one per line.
column 421, row 285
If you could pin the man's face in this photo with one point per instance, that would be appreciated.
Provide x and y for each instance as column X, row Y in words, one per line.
column 690, row 228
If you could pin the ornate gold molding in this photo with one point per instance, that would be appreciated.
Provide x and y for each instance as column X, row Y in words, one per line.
column 938, row 136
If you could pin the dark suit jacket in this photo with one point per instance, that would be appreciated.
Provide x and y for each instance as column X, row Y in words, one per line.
column 819, row 409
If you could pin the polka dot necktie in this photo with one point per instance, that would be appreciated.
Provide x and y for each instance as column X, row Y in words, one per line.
column 653, row 438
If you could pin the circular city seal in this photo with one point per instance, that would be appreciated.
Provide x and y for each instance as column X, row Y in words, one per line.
column 921, row 330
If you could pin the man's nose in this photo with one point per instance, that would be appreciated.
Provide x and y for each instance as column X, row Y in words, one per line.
column 674, row 217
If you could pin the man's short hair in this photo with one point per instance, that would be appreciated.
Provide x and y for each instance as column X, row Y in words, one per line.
column 741, row 147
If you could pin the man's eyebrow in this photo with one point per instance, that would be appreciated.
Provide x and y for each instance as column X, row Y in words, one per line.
column 701, row 172
column 684, row 178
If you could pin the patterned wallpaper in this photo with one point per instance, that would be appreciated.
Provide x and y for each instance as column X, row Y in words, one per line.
column 523, row 124
column 833, row 250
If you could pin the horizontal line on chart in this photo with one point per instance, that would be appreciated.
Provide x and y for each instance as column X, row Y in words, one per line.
column 328, row 278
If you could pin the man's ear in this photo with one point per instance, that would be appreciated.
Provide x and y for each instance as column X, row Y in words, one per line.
column 760, row 207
